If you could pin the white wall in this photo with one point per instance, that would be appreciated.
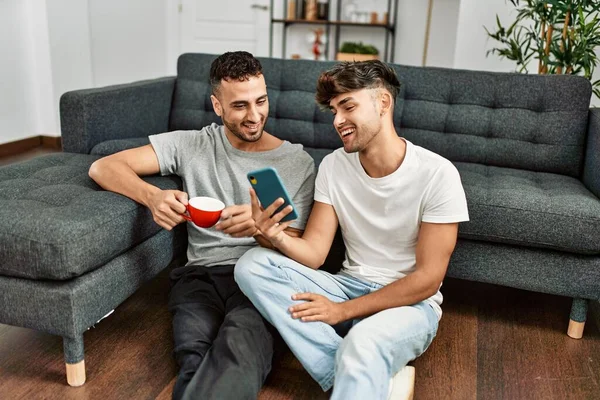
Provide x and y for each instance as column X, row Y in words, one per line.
column 17, row 98
column 442, row 39
column 38, row 47
column 410, row 32
column 50, row 47
column 128, row 40
column 471, row 39
column 69, row 37
column 47, row 49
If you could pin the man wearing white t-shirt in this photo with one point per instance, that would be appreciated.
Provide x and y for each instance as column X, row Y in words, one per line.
column 398, row 206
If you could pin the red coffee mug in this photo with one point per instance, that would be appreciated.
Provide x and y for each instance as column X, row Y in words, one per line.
column 204, row 211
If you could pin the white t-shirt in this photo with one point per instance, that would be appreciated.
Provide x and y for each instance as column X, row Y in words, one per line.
column 380, row 217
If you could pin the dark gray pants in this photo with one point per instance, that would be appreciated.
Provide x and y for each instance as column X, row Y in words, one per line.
column 222, row 344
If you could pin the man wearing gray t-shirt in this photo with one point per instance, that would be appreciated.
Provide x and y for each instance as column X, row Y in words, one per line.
column 222, row 345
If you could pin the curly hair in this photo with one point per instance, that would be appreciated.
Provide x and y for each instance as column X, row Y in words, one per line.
column 349, row 76
column 235, row 65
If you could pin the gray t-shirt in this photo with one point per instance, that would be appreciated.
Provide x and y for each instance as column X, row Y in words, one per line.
column 210, row 166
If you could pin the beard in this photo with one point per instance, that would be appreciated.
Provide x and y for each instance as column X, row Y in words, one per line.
column 363, row 135
column 236, row 130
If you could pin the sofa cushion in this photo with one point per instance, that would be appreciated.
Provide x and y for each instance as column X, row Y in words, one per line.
column 530, row 208
column 114, row 146
column 536, row 123
column 56, row 223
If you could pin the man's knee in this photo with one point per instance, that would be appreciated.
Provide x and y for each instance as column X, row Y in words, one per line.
column 255, row 263
column 251, row 340
column 188, row 362
column 245, row 317
column 191, row 351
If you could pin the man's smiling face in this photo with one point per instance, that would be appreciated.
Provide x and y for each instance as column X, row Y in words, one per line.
column 357, row 119
column 244, row 107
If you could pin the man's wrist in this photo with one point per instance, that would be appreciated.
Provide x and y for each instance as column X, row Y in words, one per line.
column 346, row 312
column 263, row 241
column 150, row 191
column 279, row 243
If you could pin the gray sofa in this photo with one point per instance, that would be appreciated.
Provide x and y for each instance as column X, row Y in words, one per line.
column 527, row 148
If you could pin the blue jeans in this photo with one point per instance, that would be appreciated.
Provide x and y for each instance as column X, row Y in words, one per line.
column 357, row 357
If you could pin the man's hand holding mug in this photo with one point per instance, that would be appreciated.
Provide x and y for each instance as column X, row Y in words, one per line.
column 169, row 208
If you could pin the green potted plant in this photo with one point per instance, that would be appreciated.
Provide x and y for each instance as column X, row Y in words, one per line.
column 563, row 35
column 352, row 51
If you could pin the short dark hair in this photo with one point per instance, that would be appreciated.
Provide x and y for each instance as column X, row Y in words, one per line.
column 233, row 65
column 349, row 76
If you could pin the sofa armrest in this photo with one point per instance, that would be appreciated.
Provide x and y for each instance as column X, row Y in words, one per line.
column 138, row 109
column 591, row 168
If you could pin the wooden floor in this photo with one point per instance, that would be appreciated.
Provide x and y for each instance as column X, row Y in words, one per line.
column 493, row 343
column 37, row 151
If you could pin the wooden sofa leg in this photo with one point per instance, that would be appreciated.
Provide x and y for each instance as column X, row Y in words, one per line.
column 577, row 318
column 76, row 373
column 74, row 360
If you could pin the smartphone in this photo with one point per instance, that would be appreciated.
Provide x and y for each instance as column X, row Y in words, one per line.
column 268, row 187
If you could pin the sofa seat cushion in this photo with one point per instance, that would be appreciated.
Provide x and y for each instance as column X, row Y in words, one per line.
column 529, row 208
column 57, row 223
column 114, row 146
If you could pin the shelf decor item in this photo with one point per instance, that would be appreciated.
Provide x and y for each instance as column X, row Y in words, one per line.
column 328, row 15
column 299, row 10
column 352, row 51
column 318, row 43
column 374, row 17
column 563, row 35
column 291, row 11
column 385, row 18
column 310, row 9
column 323, row 10
column 350, row 8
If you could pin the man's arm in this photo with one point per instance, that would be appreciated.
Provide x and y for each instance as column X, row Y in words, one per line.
column 435, row 245
column 120, row 173
column 263, row 242
column 312, row 247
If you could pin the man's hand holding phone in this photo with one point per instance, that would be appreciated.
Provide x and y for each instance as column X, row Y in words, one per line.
column 268, row 223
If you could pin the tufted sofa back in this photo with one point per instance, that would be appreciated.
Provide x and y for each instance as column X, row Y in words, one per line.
column 527, row 122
